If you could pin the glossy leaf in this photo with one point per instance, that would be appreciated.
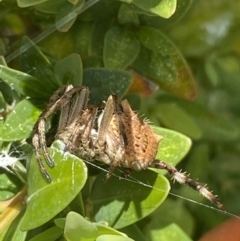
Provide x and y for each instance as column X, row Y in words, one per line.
column 50, row 234
column 69, row 70
column 78, row 228
column 20, row 122
column 121, row 47
column 30, row 57
column 108, row 81
column 23, row 84
column 173, row 147
column 164, row 8
column 111, row 237
column 170, row 212
column 103, row 228
column 156, row 22
column 121, row 203
column 46, row 200
column 171, row 232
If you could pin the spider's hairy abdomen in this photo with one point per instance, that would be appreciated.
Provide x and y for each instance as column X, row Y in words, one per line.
column 142, row 142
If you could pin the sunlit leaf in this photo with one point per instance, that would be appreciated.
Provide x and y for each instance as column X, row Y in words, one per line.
column 173, row 147
column 171, row 232
column 78, row 228
column 156, row 22
column 20, row 122
column 163, row 8
column 111, row 237
column 46, row 200
column 50, row 234
column 121, row 203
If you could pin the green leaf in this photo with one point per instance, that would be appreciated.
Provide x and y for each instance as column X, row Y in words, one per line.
column 106, row 80
column 50, row 234
column 156, row 41
column 78, row 228
column 82, row 38
column 33, row 61
column 20, row 121
column 127, row 16
column 121, row 203
column 23, row 83
column 184, row 86
column 99, row 30
column 170, row 212
column 162, row 8
column 173, row 147
column 156, row 66
column 156, row 22
column 69, row 70
column 175, row 117
column 213, row 127
column 46, row 200
column 49, row 6
column 67, row 15
column 9, row 187
column 110, row 237
column 28, row 3
column 121, row 47
column 103, row 228
column 171, row 232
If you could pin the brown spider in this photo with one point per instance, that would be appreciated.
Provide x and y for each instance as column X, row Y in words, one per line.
column 114, row 135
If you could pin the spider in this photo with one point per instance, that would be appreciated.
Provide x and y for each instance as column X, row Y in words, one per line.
column 113, row 135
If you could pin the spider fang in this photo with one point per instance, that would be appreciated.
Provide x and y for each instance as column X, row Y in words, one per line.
column 114, row 135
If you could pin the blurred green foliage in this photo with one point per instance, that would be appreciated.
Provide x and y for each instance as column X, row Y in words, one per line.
column 187, row 49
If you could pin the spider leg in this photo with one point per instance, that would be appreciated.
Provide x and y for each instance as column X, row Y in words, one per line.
column 71, row 116
column 113, row 109
column 82, row 130
column 184, row 179
column 59, row 99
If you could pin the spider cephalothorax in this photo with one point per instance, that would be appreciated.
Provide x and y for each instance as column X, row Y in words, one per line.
column 114, row 135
